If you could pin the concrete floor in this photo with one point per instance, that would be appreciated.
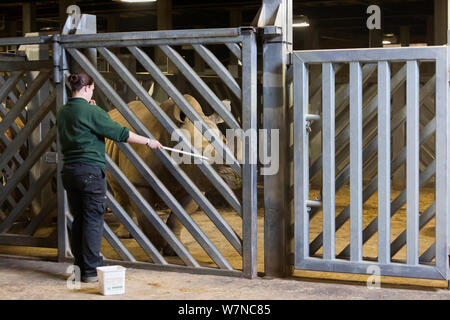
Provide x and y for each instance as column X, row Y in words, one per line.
column 26, row 279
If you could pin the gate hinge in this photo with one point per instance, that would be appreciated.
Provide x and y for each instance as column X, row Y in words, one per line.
column 51, row 157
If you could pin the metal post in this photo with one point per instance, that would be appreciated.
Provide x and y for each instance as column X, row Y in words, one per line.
column 86, row 25
column 442, row 168
column 277, row 215
column 59, row 65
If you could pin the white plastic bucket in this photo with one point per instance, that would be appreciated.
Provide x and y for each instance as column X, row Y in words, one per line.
column 111, row 280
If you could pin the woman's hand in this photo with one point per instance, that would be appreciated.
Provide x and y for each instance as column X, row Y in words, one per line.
column 92, row 102
column 154, row 144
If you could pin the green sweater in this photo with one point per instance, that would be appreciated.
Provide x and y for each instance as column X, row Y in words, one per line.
column 82, row 129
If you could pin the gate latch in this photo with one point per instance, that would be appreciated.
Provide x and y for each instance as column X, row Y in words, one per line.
column 308, row 126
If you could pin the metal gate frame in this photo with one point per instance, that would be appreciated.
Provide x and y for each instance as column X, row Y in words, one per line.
column 40, row 110
column 247, row 93
column 303, row 205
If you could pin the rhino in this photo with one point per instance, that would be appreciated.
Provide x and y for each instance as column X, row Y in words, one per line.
column 149, row 157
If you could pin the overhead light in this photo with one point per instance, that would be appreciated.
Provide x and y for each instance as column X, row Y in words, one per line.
column 300, row 25
column 389, row 38
column 300, row 21
column 136, row 1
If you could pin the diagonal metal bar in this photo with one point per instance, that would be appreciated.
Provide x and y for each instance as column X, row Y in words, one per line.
column 27, row 130
column 9, row 171
column 17, row 156
column 23, row 100
column 200, row 85
column 342, row 138
column 398, row 202
column 4, row 113
column 136, row 233
column 371, row 188
column 342, row 98
column 168, row 124
column 109, row 235
column 151, row 215
column 6, row 139
column 424, row 218
column 235, row 50
column 219, row 68
column 372, row 146
column 315, row 89
column 429, row 254
column 7, row 86
column 37, row 220
column 181, row 102
column 116, row 244
column 26, row 199
column 170, row 164
column 397, row 80
column 25, row 167
column 425, row 92
column 163, row 229
column 168, row 198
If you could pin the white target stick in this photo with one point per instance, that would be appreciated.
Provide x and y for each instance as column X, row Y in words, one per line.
column 188, row 153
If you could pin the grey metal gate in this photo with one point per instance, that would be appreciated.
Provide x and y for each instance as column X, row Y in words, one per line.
column 241, row 43
column 354, row 120
column 27, row 100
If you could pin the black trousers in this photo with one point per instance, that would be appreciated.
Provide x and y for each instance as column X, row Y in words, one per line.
column 86, row 193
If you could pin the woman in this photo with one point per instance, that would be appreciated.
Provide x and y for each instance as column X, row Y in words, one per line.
column 82, row 128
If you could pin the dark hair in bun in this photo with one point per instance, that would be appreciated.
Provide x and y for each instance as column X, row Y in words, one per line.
column 79, row 80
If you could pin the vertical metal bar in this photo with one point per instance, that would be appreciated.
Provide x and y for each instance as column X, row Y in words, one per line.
column 301, row 160
column 249, row 187
column 384, row 162
column 412, row 162
column 356, row 162
column 60, row 64
column 442, row 167
column 328, row 151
